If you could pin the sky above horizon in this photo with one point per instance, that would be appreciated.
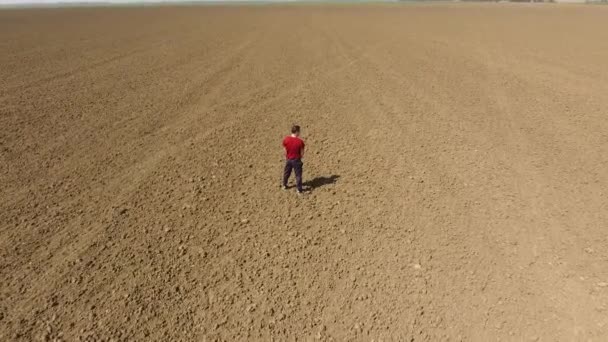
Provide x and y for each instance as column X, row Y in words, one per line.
column 26, row 2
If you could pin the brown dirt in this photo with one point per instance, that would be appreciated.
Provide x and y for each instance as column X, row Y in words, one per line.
column 457, row 158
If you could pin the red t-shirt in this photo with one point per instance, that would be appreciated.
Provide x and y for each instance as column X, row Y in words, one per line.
column 293, row 147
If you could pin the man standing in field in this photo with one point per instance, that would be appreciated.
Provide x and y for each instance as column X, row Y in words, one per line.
column 294, row 151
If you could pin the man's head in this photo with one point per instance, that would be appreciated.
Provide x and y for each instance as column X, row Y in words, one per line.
column 295, row 130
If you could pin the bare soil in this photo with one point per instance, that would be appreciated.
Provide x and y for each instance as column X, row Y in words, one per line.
column 456, row 167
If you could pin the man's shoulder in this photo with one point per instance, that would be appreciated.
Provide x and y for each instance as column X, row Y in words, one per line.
column 289, row 137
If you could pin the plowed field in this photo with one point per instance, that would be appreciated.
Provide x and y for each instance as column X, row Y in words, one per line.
column 456, row 169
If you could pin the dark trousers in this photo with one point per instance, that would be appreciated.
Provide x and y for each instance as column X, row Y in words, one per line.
column 296, row 165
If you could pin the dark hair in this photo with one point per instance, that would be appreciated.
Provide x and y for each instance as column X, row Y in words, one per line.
column 295, row 129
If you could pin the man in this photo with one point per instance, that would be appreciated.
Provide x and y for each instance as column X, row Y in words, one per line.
column 294, row 150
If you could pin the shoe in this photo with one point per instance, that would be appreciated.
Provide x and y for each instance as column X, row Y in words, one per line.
column 300, row 192
column 284, row 187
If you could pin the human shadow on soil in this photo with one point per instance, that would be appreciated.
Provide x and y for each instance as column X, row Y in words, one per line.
column 321, row 181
